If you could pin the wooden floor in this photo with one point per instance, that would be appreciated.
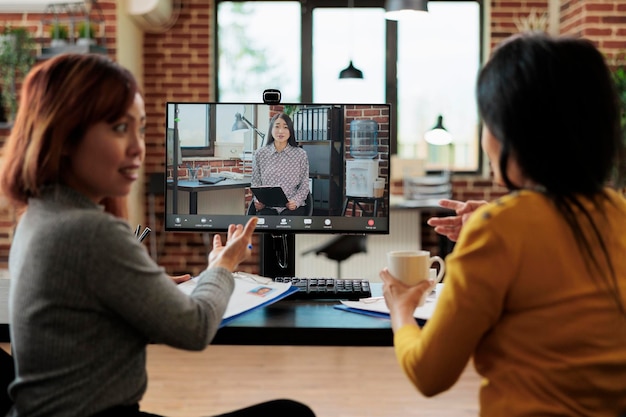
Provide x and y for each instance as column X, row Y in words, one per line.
column 333, row 381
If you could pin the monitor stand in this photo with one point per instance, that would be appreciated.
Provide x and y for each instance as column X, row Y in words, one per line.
column 278, row 255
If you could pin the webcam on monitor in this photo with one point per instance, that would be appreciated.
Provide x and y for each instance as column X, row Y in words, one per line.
column 271, row 96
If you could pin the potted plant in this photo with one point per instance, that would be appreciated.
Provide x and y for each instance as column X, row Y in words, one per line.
column 619, row 76
column 17, row 49
column 86, row 33
column 58, row 35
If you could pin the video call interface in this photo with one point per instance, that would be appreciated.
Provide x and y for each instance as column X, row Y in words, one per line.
column 212, row 150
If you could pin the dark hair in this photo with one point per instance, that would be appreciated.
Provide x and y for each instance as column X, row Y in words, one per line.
column 552, row 105
column 292, row 134
column 60, row 100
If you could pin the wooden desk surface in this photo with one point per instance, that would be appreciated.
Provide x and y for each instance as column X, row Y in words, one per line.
column 195, row 186
column 300, row 323
column 310, row 323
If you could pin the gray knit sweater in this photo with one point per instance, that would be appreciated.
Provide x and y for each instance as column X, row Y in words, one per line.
column 85, row 300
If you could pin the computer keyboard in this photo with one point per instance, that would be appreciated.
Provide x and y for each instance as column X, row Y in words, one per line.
column 328, row 288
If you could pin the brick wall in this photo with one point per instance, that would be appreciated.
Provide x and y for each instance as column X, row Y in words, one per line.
column 178, row 66
column 507, row 15
column 602, row 21
column 33, row 21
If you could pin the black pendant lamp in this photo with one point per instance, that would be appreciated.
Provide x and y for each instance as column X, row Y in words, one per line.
column 351, row 72
column 401, row 9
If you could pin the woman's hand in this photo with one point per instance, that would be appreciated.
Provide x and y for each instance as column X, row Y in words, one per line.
column 291, row 205
column 258, row 205
column 238, row 246
column 402, row 299
column 179, row 279
column 450, row 226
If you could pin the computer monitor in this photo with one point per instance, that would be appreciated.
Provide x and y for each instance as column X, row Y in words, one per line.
column 346, row 145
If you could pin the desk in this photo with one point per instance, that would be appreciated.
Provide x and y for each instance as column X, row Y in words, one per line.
column 300, row 322
column 194, row 187
column 306, row 322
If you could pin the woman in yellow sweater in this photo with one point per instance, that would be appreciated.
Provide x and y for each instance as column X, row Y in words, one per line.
column 535, row 288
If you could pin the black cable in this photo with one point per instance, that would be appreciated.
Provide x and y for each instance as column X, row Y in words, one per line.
column 284, row 263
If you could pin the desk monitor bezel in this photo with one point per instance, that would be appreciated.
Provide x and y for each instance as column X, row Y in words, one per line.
column 333, row 222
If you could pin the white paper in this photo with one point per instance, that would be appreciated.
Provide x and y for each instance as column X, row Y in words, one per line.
column 378, row 305
column 251, row 291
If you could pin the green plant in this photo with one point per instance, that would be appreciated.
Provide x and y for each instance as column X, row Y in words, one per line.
column 58, row 31
column 86, row 31
column 619, row 76
column 17, row 48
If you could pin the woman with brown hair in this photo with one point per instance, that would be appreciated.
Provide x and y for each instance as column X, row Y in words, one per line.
column 85, row 296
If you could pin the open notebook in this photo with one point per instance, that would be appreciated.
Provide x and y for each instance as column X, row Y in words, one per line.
column 376, row 307
column 251, row 292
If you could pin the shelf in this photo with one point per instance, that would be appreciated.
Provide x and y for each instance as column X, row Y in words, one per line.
column 49, row 52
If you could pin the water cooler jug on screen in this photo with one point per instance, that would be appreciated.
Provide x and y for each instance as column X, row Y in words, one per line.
column 362, row 171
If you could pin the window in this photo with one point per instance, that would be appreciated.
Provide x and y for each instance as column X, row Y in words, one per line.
column 341, row 36
column 438, row 61
column 258, row 48
column 300, row 48
column 196, row 138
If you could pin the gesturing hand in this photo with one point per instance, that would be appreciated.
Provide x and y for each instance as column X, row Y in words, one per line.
column 238, row 246
column 450, row 226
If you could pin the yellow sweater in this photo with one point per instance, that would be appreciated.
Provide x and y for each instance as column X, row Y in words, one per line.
column 544, row 334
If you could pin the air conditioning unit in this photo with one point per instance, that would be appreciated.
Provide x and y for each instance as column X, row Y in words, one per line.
column 151, row 15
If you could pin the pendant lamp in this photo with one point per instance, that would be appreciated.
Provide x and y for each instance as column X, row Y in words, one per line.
column 438, row 135
column 399, row 9
column 351, row 72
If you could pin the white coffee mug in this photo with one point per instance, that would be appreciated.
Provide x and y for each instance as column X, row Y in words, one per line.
column 413, row 267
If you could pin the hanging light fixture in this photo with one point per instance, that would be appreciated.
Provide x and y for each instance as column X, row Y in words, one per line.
column 438, row 135
column 351, row 71
column 400, row 9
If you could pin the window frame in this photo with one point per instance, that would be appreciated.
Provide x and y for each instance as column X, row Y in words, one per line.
column 209, row 149
column 391, row 93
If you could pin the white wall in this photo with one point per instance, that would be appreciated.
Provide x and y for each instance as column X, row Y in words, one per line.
column 405, row 234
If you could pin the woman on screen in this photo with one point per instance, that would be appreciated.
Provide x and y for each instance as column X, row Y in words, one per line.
column 282, row 163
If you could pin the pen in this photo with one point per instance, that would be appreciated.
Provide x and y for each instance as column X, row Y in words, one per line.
column 145, row 233
column 137, row 229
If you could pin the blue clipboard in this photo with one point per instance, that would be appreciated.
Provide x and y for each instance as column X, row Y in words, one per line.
column 364, row 312
column 287, row 293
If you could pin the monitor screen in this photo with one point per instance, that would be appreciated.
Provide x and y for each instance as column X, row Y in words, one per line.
column 330, row 162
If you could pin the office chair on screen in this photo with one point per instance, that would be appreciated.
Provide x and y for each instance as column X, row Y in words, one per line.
column 341, row 248
column 308, row 203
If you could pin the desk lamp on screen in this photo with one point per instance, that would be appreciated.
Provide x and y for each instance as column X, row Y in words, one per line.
column 323, row 131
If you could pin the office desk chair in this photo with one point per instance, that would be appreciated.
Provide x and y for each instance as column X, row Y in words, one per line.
column 251, row 211
column 341, row 248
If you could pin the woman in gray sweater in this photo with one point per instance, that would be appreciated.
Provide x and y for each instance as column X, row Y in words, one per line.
column 85, row 296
